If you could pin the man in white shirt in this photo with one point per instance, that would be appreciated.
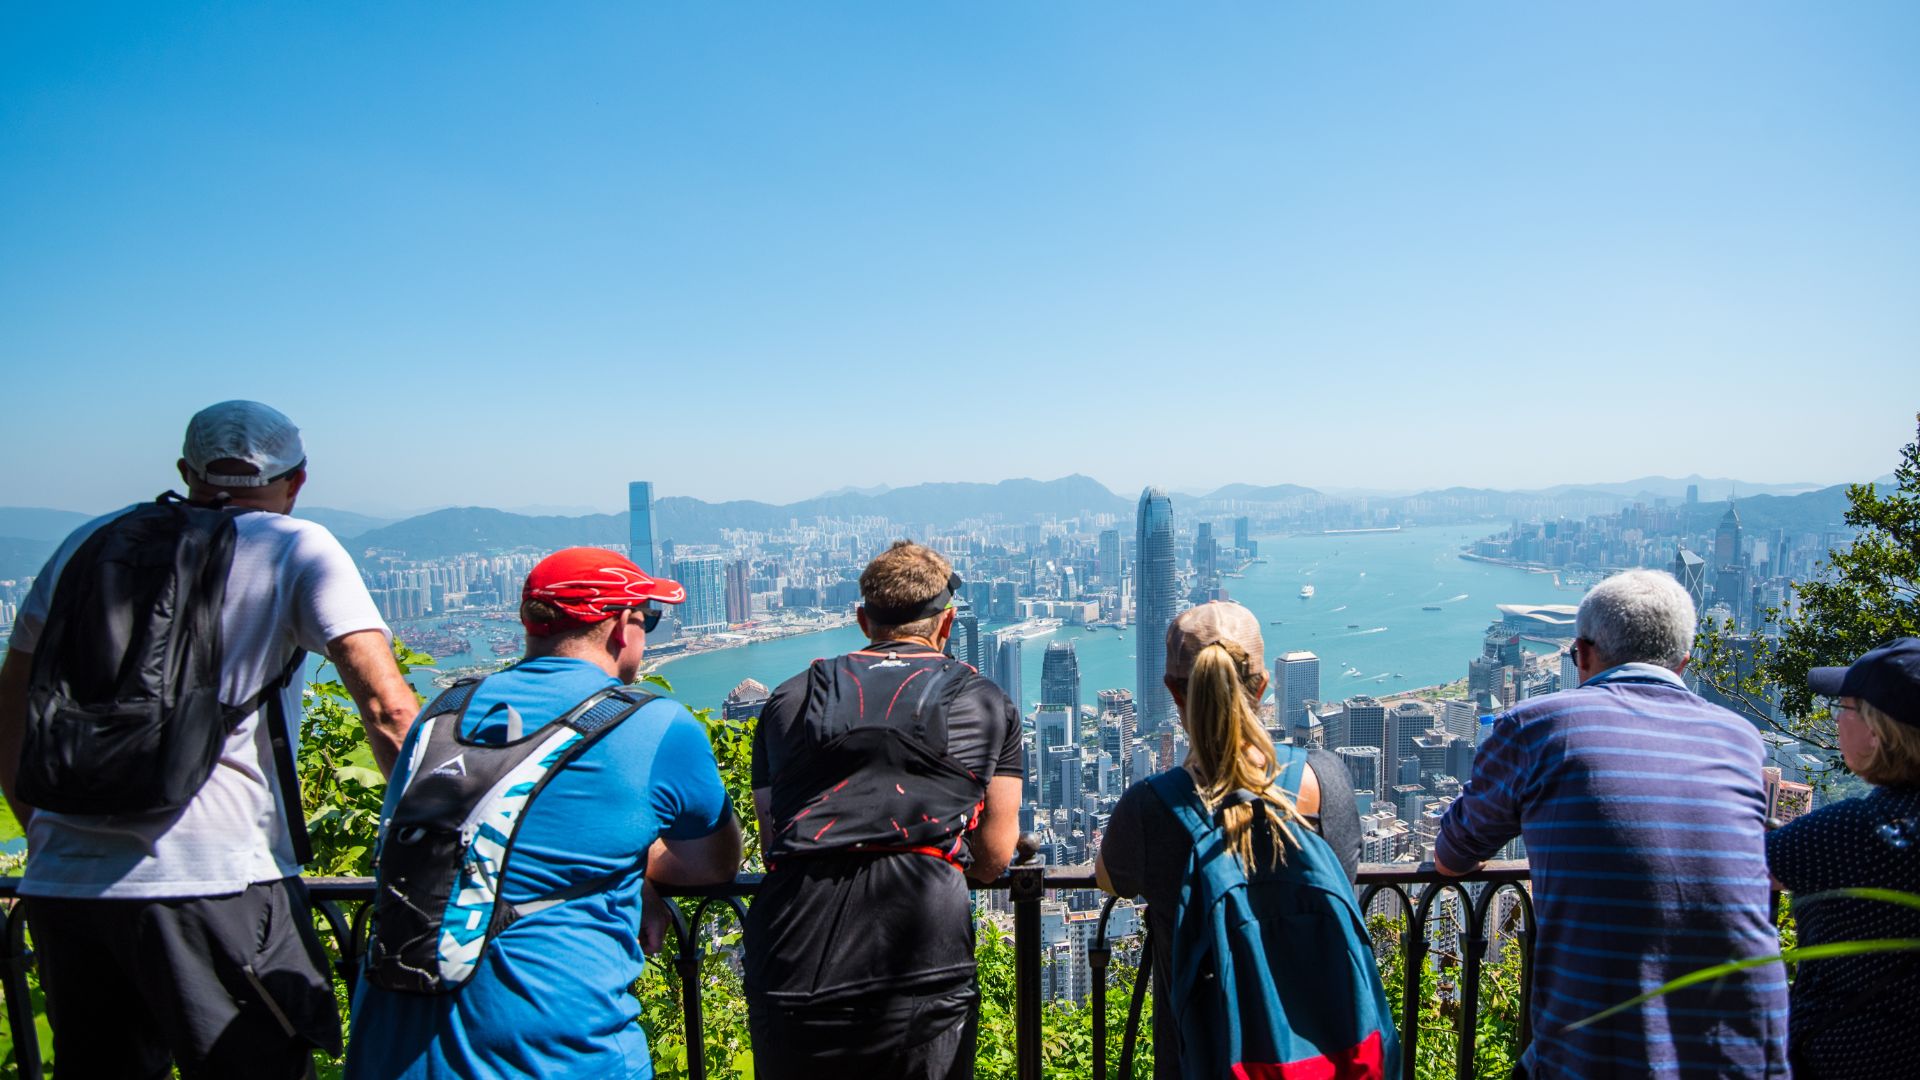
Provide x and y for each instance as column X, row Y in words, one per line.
column 184, row 936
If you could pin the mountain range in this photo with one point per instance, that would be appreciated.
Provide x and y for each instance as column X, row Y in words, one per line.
column 28, row 535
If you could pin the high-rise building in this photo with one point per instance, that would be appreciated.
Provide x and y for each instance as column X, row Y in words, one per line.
column 640, row 535
column 1155, row 597
column 1109, row 564
column 704, row 576
column 966, row 644
column 1690, row 571
column 1363, row 766
column 739, row 594
column 1367, row 723
column 1006, row 666
column 1054, row 731
column 1408, row 721
column 1205, row 553
column 1296, row 681
column 1060, row 677
column 1240, row 543
column 1726, row 539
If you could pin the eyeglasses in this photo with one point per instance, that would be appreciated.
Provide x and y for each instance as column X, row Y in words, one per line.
column 649, row 616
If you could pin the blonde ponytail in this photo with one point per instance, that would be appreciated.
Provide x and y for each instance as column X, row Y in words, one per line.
column 1223, row 724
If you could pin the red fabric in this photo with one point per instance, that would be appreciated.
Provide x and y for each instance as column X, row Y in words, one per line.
column 1360, row 1062
column 590, row 584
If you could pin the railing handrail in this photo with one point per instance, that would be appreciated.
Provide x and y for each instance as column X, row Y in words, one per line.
column 1026, row 885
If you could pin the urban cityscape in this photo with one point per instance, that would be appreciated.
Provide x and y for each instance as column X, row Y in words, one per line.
column 1054, row 585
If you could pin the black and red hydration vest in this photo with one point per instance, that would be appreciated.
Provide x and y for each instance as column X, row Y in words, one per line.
column 867, row 767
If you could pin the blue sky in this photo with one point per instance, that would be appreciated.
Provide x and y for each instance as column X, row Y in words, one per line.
column 517, row 254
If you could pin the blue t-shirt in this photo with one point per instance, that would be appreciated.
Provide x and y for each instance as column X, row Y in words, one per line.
column 549, row 997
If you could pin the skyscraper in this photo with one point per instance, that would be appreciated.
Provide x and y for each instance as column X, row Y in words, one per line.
column 640, row 526
column 1060, row 678
column 1726, row 539
column 1155, row 598
column 965, row 644
column 704, row 576
column 1006, row 667
column 1109, row 564
column 1296, row 681
column 1363, row 765
column 739, row 595
column 1367, row 723
column 1240, row 536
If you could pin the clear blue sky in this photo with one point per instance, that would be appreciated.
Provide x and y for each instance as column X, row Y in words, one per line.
column 516, row 254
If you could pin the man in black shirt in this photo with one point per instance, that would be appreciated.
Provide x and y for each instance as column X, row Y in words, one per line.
column 883, row 780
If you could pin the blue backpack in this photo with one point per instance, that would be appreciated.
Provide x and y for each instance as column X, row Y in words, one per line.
column 1273, row 979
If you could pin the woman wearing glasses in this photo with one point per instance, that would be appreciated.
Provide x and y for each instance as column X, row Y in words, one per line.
column 1854, row 1016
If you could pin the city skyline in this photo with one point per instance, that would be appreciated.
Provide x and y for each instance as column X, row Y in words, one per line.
column 1419, row 239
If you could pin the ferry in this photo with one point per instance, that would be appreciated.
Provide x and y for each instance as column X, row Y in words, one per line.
column 1306, row 592
column 1430, row 607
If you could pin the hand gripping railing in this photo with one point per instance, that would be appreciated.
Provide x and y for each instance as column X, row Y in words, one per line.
column 1415, row 890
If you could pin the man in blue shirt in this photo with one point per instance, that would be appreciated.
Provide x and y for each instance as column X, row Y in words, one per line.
column 644, row 803
column 1644, row 814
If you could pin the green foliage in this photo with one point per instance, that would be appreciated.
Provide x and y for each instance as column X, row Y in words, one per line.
column 1496, row 1044
column 340, row 785
column 1867, row 594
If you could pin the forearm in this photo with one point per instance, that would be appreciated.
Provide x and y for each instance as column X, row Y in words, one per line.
column 13, row 727
column 998, row 831
column 708, row 860
column 386, row 701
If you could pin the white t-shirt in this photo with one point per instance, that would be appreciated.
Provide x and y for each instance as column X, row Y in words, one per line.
column 291, row 584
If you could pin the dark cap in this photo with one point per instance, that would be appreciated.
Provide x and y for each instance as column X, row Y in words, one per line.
column 1888, row 678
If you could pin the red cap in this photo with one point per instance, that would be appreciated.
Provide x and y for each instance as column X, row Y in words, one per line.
column 590, row 584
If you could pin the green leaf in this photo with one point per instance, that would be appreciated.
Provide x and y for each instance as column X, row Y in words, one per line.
column 1810, row 952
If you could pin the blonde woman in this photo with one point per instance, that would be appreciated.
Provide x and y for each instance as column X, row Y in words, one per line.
column 1854, row 1016
column 1244, row 827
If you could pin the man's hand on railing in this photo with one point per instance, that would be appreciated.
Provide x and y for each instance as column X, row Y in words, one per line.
column 654, row 919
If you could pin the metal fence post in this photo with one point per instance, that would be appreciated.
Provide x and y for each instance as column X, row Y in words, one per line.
column 1027, row 886
column 13, row 976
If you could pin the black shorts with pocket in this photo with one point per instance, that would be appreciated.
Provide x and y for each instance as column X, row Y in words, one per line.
column 226, row 986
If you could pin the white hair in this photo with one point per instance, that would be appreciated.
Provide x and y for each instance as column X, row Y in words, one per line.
column 1639, row 616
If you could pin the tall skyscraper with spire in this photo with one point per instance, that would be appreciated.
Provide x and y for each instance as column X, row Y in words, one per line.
column 1726, row 539
column 1156, row 595
column 640, row 526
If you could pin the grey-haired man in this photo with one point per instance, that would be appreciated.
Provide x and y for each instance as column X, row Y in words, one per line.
column 182, row 937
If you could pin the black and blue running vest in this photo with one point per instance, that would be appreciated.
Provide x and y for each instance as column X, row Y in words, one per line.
column 867, row 769
column 442, row 857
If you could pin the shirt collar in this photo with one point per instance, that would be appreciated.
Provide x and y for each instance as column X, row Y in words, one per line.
column 1637, row 672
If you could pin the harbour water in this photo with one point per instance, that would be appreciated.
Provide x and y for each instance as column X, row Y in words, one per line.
column 1368, row 620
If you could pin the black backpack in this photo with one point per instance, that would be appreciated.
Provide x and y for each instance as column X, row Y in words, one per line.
column 123, row 704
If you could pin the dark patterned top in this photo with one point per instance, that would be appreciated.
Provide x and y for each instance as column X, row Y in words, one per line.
column 1854, row 1016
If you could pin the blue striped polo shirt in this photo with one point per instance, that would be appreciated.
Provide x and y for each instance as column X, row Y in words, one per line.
column 1644, row 815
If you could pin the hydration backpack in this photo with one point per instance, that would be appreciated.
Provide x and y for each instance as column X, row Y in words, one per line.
column 1273, row 979
column 123, row 702
column 868, row 768
column 442, row 855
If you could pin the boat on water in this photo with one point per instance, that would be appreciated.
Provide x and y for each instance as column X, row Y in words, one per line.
column 1430, row 607
column 1306, row 592
column 1353, row 626
column 1276, row 622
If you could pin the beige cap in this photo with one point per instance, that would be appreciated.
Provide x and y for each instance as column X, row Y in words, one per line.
column 1199, row 627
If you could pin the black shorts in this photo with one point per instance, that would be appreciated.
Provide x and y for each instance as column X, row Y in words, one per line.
column 897, row 1036
column 229, row 986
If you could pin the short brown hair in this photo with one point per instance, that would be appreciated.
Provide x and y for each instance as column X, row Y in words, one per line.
column 903, row 577
column 1895, row 759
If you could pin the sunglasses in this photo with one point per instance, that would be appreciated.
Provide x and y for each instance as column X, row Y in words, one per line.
column 649, row 616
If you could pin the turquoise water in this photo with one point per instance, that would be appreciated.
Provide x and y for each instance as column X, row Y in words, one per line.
column 1373, row 581
column 1366, row 614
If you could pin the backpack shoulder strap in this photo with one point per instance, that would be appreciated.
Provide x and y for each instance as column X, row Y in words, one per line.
column 1292, row 762
column 280, row 736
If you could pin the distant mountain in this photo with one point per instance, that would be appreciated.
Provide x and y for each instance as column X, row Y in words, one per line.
column 877, row 489
column 341, row 523
column 34, row 523
column 451, row 531
column 1809, row 512
column 21, row 558
column 1252, row 493
column 1712, row 489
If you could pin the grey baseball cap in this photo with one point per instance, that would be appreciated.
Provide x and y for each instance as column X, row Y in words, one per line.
column 248, row 431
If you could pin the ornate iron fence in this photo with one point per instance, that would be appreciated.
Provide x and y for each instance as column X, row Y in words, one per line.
column 343, row 904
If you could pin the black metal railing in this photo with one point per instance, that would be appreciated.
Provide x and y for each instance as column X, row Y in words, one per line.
column 1413, row 891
